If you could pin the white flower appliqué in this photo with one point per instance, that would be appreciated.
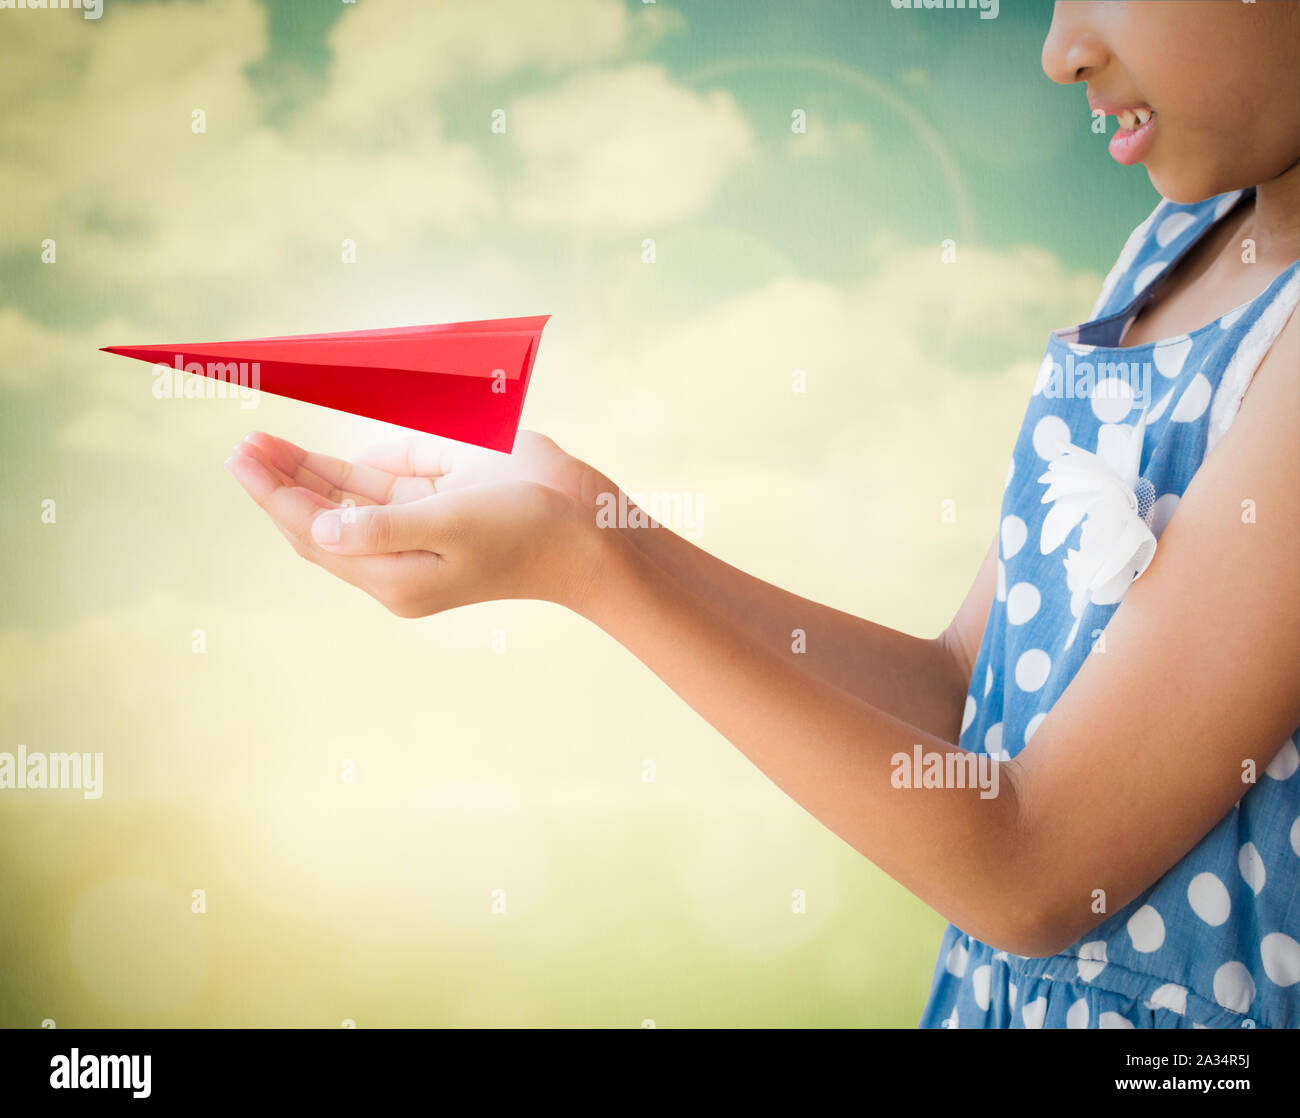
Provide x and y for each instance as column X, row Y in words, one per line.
column 1103, row 490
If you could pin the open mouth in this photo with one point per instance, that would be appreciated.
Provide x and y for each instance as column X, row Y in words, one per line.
column 1130, row 120
column 1133, row 136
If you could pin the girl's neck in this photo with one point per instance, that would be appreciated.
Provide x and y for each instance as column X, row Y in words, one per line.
column 1275, row 222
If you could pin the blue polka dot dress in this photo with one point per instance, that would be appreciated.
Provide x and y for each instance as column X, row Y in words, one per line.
column 1110, row 441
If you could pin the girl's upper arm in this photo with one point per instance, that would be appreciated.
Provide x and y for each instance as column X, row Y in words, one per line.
column 1195, row 687
column 962, row 639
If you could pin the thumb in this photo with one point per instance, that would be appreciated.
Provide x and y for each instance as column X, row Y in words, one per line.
column 379, row 529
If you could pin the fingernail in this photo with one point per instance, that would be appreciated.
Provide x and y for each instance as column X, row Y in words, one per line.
column 327, row 529
column 250, row 474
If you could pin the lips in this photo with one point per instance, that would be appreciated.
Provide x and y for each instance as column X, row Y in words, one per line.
column 1135, row 130
column 1129, row 145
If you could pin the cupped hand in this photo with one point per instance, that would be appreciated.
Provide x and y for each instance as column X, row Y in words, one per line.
column 451, row 465
column 423, row 524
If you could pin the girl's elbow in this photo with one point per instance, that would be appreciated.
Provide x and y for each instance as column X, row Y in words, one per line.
column 1029, row 933
column 1033, row 920
column 1039, row 939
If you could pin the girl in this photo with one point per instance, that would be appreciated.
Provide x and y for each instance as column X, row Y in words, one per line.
column 1126, row 656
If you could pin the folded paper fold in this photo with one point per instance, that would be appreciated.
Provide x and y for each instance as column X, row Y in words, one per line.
column 463, row 380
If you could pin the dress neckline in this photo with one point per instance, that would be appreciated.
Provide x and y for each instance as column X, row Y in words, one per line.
column 1141, row 298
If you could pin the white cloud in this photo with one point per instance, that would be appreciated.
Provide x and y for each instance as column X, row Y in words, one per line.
column 915, row 334
column 848, row 137
column 917, row 379
column 625, row 148
column 102, row 155
column 103, row 132
column 31, row 354
column 393, row 58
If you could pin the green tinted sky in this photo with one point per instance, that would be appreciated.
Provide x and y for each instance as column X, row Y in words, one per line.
column 775, row 252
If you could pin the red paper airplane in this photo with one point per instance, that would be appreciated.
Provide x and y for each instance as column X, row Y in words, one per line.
column 464, row 380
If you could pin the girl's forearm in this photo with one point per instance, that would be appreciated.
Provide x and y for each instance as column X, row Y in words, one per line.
column 915, row 679
column 832, row 752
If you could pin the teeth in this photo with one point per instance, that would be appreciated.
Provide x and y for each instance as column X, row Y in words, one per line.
column 1129, row 119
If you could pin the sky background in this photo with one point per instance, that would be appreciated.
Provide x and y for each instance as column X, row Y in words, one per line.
column 479, row 769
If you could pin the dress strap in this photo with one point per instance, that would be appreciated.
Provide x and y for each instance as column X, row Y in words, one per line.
column 1128, row 254
column 1249, row 353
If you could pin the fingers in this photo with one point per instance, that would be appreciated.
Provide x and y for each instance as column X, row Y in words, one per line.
column 389, row 578
column 334, row 478
column 414, row 455
column 267, row 469
column 422, row 525
column 291, row 508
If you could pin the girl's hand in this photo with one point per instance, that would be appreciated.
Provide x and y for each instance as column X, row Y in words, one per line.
column 445, row 526
column 427, row 459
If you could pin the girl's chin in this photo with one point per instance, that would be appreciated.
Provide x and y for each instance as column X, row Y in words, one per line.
column 1185, row 190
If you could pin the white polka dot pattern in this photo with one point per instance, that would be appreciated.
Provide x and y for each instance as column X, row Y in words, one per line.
column 1215, row 942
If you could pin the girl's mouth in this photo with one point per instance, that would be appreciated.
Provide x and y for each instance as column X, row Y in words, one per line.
column 1133, row 136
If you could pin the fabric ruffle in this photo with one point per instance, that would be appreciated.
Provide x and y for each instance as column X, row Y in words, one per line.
column 978, row 987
